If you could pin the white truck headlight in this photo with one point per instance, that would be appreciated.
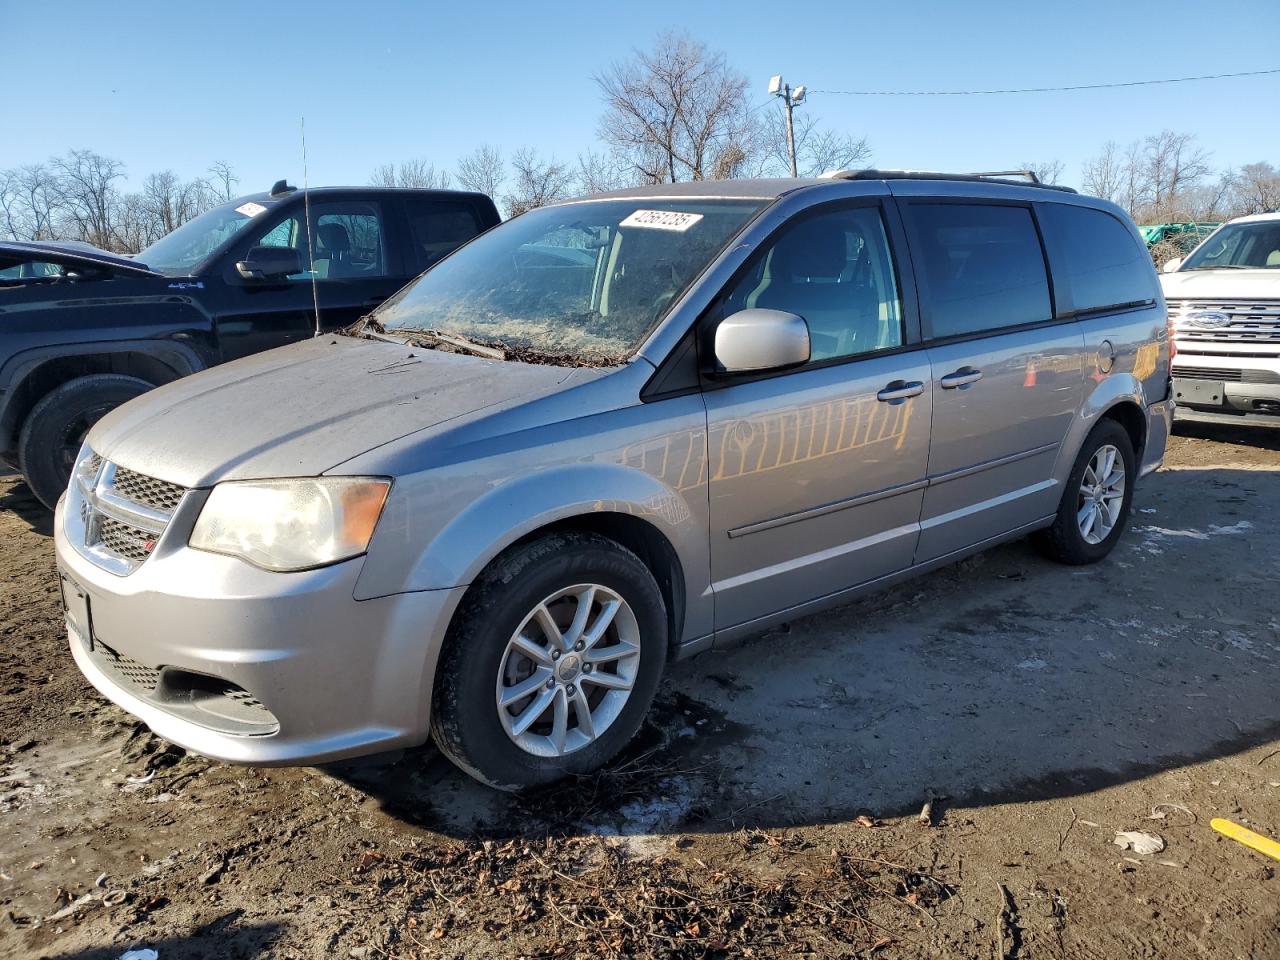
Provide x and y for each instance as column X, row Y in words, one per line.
column 291, row 524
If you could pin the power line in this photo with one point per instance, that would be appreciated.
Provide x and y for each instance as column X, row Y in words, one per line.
column 1083, row 86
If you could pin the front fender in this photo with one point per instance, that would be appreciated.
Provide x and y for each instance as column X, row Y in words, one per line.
column 523, row 504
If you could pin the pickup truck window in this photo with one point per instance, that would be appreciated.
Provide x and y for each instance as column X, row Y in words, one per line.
column 584, row 281
column 346, row 241
column 437, row 228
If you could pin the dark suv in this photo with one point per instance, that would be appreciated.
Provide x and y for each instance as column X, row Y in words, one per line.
column 83, row 330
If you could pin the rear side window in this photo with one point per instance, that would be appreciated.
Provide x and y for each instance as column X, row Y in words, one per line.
column 437, row 228
column 1100, row 260
column 982, row 266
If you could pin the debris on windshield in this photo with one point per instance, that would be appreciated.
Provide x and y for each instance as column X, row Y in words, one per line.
column 368, row 328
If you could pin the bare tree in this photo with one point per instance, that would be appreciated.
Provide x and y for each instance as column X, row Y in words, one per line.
column 169, row 202
column 1103, row 175
column 85, row 184
column 598, row 172
column 1163, row 177
column 818, row 149
column 1255, row 188
column 29, row 202
column 482, row 169
column 416, row 173
column 1172, row 167
column 1046, row 171
column 677, row 112
column 223, row 180
column 535, row 182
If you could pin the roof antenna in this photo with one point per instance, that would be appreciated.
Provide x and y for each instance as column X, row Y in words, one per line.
column 306, row 206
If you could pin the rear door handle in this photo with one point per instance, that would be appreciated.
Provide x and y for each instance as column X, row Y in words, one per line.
column 900, row 390
column 961, row 378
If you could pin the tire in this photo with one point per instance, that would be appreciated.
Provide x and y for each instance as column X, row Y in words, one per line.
column 1066, row 540
column 57, row 425
column 478, row 662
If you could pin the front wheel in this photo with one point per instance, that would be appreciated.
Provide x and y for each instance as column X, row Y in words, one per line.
column 552, row 662
column 58, row 423
column 1095, row 505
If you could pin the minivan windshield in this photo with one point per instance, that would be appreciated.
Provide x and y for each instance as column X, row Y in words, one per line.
column 582, row 282
column 1240, row 246
column 178, row 253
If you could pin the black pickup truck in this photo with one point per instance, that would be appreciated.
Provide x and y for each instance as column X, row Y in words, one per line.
column 83, row 330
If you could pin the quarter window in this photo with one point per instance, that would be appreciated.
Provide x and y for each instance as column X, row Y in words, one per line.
column 1103, row 263
column 982, row 266
column 835, row 270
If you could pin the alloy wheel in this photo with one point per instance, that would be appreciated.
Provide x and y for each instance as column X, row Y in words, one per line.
column 1101, row 498
column 568, row 670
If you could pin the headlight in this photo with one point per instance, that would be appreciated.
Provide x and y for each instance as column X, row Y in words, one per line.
column 291, row 524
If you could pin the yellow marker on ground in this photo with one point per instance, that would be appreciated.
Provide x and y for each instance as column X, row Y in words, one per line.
column 1243, row 835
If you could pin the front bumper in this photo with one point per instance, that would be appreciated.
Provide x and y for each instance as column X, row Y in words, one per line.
column 1249, row 387
column 318, row 675
column 1159, row 423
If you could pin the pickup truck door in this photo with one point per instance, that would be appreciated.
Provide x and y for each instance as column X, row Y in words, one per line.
column 356, row 267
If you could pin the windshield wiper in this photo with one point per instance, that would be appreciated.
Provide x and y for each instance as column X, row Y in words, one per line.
column 436, row 338
column 1223, row 266
column 367, row 328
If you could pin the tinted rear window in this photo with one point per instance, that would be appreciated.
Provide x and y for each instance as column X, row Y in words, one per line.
column 982, row 266
column 437, row 228
column 1094, row 252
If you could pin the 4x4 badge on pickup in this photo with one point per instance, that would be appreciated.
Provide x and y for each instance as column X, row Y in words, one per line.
column 1208, row 318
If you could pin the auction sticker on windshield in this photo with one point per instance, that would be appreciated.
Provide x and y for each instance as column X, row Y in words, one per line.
column 662, row 220
column 251, row 209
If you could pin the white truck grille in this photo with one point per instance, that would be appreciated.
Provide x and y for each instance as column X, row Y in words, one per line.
column 1199, row 323
column 115, row 516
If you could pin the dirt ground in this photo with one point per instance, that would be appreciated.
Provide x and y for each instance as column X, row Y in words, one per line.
column 770, row 808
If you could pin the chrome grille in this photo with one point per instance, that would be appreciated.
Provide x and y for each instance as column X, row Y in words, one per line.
column 1246, row 321
column 124, row 540
column 138, row 487
column 116, row 516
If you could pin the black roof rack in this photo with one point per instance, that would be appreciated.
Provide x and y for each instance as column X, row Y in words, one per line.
column 1001, row 176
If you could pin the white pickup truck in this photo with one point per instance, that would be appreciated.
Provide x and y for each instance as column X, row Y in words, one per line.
column 1224, row 302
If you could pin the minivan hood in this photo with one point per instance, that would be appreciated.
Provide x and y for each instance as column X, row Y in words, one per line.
column 302, row 409
column 1222, row 284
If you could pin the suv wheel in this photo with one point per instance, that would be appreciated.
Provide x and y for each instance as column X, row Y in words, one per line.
column 56, row 427
column 551, row 663
column 1095, row 504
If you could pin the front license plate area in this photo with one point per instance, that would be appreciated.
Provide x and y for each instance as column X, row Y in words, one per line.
column 1205, row 393
column 75, row 606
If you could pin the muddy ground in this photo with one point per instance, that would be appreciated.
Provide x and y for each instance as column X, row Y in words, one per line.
column 770, row 808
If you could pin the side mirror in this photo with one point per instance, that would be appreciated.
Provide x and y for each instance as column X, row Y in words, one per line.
column 757, row 340
column 1171, row 265
column 269, row 263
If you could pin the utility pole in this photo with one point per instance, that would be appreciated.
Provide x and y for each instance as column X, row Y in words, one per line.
column 790, row 100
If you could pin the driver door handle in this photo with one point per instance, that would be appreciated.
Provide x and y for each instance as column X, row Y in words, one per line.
column 961, row 378
column 900, row 390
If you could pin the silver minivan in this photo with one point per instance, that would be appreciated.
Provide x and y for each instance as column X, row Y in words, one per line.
column 607, row 434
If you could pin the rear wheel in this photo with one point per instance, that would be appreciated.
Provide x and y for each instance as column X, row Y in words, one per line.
column 552, row 663
column 1095, row 505
column 57, row 425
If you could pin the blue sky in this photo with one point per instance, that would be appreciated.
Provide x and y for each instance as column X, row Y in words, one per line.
column 178, row 85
